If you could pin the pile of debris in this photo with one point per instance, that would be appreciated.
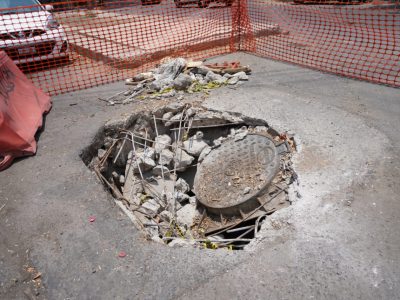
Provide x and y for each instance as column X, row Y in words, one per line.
column 177, row 76
column 192, row 176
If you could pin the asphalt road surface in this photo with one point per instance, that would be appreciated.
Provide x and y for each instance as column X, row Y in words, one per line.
column 338, row 241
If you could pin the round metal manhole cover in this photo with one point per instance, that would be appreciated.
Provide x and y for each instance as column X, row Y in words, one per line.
column 231, row 177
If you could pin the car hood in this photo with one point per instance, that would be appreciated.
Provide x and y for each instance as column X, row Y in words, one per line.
column 23, row 21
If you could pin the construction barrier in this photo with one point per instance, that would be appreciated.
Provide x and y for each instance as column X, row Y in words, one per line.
column 83, row 43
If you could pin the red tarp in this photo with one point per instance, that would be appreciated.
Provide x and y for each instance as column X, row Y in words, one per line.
column 21, row 108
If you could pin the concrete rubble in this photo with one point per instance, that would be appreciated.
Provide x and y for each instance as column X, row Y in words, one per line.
column 149, row 160
column 178, row 76
column 195, row 144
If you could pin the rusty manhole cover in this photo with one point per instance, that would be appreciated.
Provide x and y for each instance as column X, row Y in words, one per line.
column 231, row 177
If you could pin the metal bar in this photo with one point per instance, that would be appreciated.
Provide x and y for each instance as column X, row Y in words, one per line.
column 206, row 240
column 119, row 151
column 115, row 95
column 207, row 126
column 138, row 163
column 176, row 146
column 162, row 166
column 239, row 238
column 239, row 229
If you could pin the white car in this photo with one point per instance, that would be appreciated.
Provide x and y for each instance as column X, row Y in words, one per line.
column 29, row 32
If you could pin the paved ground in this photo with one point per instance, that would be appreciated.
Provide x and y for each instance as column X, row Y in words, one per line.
column 338, row 241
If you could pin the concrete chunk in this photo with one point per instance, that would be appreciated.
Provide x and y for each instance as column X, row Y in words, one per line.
column 186, row 214
column 182, row 82
column 195, row 144
column 101, row 153
column 211, row 76
column 151, row 206
column 166, row 157
column 162, row 142
column 182, row 186
column 174, row 107
column 233, row 80
column 182, row 160
column 178, row 243
column 167, row 116
column 166, row 216
column 241, row 76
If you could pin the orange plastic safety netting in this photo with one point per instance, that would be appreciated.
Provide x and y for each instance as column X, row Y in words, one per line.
column 82, row 43
column 350, row 38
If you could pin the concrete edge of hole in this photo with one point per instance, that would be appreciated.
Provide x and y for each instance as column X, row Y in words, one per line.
column 282, row 216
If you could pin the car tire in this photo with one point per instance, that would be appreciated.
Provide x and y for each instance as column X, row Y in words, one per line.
column 203, row 3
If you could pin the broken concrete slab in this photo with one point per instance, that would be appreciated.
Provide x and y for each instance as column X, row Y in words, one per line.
column 179, row 243
column 181, row 197
column 167, row 116
column 174, row 120
column 182, row 186
column 166, row 216
column 166, row 157
column 241, row 76
column 182, row 160
column 211, row 76
column 147, row 152
column 151, row 206
column 162, row 142
column 241, row 134
column 207, row 118
column 159, row 188
column 174, row 107
column 140, row 163
column 186, row 215
column 182, row 82
column 233, row 80
column 195, row 144
column 131, row 188
column 166, row 73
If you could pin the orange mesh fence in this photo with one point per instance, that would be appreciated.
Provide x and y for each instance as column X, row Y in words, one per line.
column 350, row 38
column 103, row 41
column 82, row 43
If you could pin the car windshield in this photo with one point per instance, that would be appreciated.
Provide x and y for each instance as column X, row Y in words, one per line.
column 11, row 6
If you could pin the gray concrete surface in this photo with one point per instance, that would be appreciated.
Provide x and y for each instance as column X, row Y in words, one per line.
column 338, row 241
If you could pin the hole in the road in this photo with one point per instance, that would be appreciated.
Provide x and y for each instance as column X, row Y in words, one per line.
column 192, row 176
